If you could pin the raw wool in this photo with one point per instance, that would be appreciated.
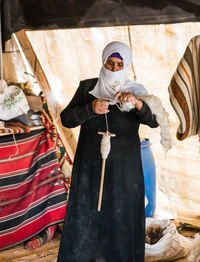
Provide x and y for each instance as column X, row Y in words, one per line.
column 127, row 106
column 161, row 116
column 153, row 234
column 195, row 250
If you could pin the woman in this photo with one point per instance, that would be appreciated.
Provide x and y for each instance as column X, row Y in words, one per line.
column 117, row 232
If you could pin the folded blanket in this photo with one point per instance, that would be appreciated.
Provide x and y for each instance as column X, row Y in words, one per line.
column 42, row 238
column 184, row 90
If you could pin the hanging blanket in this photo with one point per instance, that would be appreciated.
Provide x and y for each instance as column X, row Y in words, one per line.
column 48, row 122
column 32, row 191
column 184, row 90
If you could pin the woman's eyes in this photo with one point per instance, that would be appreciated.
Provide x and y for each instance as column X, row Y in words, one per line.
column 112, row 64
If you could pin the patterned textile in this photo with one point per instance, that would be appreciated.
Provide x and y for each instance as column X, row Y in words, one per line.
column 63, row 157
column 43, row 237
column 13, row 128
column 18, row 127
column 184, row 90
column 55, row 137
column 32, row 191
column 6, row 131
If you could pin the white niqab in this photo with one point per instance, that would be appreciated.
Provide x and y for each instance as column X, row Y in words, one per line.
column 109, row 83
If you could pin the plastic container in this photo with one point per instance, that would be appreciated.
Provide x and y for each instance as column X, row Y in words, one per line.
column 148, row 166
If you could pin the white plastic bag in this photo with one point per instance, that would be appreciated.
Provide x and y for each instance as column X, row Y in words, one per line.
column 195, row 250
column 170, row 247
column 13, row 102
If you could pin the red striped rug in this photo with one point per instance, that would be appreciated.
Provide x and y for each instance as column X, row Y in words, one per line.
column 32, row 191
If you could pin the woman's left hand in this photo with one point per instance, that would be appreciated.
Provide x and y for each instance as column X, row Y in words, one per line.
column 127, row 97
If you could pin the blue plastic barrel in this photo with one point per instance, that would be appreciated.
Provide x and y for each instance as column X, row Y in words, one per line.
column 148, row 166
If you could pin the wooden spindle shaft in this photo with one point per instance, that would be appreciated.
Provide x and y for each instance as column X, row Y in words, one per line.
column 101, row 184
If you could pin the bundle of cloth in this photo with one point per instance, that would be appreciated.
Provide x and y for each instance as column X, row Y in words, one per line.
column 13, row 128
column 184, row 90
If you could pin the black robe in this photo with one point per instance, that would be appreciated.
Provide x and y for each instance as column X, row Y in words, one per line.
column 117, row 232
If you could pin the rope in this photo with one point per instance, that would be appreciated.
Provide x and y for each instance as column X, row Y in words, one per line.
column 105, row 146
column 2, row 126
column 130, row 42
column 1, row 56
column 106, row 123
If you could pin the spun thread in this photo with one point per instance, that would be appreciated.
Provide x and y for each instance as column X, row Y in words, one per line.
column 105, row 146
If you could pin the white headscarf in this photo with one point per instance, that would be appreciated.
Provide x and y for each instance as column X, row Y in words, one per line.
column 109, row 83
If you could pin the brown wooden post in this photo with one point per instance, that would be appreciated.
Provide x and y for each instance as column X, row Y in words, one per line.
column 66, row 134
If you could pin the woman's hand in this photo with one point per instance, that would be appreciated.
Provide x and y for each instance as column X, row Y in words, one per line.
column 127, row 97
column 100, row 106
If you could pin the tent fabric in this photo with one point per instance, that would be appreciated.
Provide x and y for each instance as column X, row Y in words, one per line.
column 157, row 49
column 54, row 14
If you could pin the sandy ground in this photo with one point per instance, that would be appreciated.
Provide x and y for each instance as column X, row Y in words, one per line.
column 49, row 251
column 46, row 253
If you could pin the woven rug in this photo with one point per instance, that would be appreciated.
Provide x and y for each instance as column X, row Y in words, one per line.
column 32, row 190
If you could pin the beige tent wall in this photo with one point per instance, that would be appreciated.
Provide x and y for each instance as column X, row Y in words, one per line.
column 13, row 64
column 68, row 56
column 15, row 67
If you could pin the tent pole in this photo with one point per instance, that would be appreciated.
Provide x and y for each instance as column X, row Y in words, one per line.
column 131, row 47
column 66, row 134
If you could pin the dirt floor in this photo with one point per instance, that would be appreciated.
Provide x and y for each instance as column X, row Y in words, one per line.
column 46, row 253
column 49, row 251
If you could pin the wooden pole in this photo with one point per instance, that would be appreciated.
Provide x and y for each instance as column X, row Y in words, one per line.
column 66, row 134
column 101, row 183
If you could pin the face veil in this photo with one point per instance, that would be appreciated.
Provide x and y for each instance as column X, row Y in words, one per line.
column 109, row 83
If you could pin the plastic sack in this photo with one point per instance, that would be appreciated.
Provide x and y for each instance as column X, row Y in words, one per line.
column 170, row 247
column 195, row 250
column 13, row 102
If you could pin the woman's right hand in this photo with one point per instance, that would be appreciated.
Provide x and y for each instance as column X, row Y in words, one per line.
column 100, row 106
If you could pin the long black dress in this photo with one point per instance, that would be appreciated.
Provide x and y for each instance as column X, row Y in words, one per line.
column 117, row 232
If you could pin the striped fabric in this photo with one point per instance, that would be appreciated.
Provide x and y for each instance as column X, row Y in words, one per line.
column 184, row 90
column 32, row 191
column 43, row 237
column 48, row 122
